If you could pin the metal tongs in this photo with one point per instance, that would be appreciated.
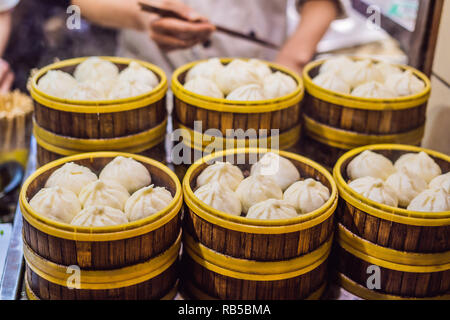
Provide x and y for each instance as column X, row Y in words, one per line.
column 167, row 13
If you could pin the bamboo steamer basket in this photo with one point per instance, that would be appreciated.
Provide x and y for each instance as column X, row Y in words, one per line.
column 338, row 122
column 275, row 259
column 131, row 261
column 51, row 146
column 411, row 248
column 281, row 113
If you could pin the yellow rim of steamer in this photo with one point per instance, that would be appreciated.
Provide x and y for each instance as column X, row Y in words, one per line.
column 68, row 146
column 390, row 258
column 343, row 139
column 256, row 270
column 104, row 279
column 362, row 292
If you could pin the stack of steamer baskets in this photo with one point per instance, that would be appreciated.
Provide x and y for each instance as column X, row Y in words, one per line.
column 406, row 252
column 137, row 260
column 66, row 127
column 234, row 257
column 281, row 113
column 336, row 122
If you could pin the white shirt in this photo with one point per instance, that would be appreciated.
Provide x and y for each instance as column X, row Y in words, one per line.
column 266, row 18
column 6, row 5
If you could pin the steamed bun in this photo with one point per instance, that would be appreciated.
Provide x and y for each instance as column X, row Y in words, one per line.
column 71, row 176
column 223, row 172
column 373, row 89
column 278, row 85
column 332, row 81
column 95, row 68
column 136, row 74
column 362, row 72
column 442, row 181
column 204, row 86
column 376, row 190
column 249, row 92
column 280, row 169
column 104, row 193
column 405, row 84
column 86, row 91
column 147, row 201
column 420, row 164
column 255, row 189
column 272, row 209
column 431, row 200
column 220, row 197
column 99, row 216
column 369, row 163
column 56, row 83
column 206, row 69
column 236, row 74
column 56, row 203
column 129, row 173
column 337, row 65
column 407, row 185
column 307, row 195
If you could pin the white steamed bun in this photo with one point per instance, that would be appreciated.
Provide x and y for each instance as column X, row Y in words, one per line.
column 56, row 203
column 373, row 89
column 431, row 200
column 376, row 190
column 420, row 164
column 387, row 69
column 71, row 176
column 249, row 92
column 99, row 216
column 255, row 189
column 220, row 197
column 262, row 69
column 337, row 65
column 56, row 83
column 272, row 209
column 278, row 85
column 104, row 193
column 86, row 91
column 223, row 172
column 407, row 186
column 442, row 181
column 135, row 73
column 369, row 163
column 206, row 69
column 147, row 201
column 95, row 68
column 280, row 169
column 362, row 71
column 332, row 81
column 204, row 86
column 307, row 195
column 405, row 84
column 236, row 74
column 129, row 173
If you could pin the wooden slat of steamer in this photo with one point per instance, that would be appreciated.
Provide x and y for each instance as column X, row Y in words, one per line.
column 106, row 127
column 226, row 122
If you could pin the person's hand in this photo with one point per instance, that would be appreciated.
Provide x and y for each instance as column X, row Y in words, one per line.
column 295, row 56
column 172, row 33
column 6, row 77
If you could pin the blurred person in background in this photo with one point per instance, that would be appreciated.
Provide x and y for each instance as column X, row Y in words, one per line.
column 171, row 42
column 6, row 74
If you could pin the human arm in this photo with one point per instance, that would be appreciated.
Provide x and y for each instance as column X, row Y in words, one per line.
column 299, row 49
column 6, row 75
column 168, row 33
